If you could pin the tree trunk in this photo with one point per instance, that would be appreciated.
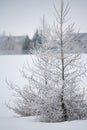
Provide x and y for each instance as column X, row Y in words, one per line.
column 62, row 65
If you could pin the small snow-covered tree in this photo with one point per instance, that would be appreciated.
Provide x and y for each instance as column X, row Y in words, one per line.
column 54, row 92
column 67, row 103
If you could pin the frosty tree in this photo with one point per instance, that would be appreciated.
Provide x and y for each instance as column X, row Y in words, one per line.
column 68, row 104
column 54, row 92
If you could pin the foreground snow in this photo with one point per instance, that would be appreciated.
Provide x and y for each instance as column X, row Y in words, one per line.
column 30, row 124
column 9, row 70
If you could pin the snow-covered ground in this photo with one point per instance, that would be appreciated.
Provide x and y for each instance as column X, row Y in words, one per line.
column 9, row 70
column 30, row 124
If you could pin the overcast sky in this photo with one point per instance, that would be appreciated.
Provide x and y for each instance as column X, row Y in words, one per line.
column 20, row 17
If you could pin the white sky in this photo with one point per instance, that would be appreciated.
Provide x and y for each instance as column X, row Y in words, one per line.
column 21, row 17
